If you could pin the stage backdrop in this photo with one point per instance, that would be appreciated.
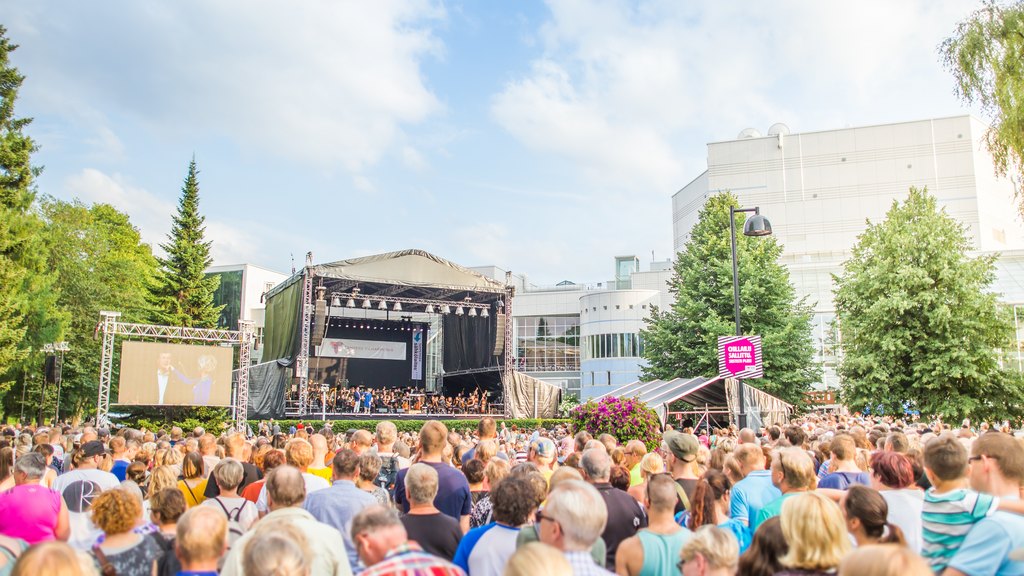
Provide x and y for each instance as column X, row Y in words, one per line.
column 175, row 374
column 378, row 358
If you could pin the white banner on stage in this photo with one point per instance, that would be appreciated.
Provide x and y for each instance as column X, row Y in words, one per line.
column 368, row 349
column 417, row 354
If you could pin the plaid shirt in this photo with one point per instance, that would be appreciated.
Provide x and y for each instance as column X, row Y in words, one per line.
column 410, row 560
column 583, row 565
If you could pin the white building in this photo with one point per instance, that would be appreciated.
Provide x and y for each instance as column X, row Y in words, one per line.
column 585, row 338
column 241, row 291
column 819, row 188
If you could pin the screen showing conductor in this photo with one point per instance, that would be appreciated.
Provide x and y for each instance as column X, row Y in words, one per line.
column 175, row 375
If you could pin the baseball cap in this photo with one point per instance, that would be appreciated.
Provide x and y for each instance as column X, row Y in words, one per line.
column 544, row 447
column 93, row 448
column 683, row 446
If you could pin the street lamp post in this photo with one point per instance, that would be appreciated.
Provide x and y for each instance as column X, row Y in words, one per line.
column 756, row 225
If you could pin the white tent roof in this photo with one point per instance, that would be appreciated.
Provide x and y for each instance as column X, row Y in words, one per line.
column 410, row 268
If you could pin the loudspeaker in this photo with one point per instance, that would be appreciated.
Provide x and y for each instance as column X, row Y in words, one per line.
column 319, row 317
column 499, row 335
column 51, row 369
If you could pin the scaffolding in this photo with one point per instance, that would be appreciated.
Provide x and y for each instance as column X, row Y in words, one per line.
column 111, row 327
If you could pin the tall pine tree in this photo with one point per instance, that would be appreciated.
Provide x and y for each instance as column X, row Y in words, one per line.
column 186, row 292
column 683, row 340
column 28, row 313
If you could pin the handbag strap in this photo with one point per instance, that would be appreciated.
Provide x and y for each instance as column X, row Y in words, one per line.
column 105, row 566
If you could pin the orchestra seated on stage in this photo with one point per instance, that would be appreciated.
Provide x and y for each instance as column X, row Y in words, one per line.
column 366, row 400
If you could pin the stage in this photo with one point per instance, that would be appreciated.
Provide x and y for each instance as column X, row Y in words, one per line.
column 395, row 417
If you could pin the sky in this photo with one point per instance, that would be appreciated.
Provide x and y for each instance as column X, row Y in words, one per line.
column 541, row 137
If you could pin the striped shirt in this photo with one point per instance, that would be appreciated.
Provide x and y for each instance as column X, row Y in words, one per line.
column 947, row 518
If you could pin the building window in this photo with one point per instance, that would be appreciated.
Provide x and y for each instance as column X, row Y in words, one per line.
column 548, row 344
column 620, row 345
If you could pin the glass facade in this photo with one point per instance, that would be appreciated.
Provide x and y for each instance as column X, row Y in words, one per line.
column 548, row 343
column 621, row 345
column 229, row 295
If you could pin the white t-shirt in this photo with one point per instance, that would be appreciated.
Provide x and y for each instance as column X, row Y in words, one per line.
column 905, row 511
column 79, row 488
column 313, row 483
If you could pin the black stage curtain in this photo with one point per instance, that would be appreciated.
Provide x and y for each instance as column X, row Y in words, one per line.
column 267, row 384
column 469, row 342
column 465, row 384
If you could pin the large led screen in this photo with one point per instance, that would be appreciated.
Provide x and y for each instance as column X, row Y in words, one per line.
column 175, row 375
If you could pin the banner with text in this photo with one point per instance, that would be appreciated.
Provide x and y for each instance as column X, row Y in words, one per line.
column 739, row 357
column 417, row 354
column 367, row 349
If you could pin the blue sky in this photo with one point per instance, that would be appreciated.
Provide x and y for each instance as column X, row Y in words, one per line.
column 544, row 138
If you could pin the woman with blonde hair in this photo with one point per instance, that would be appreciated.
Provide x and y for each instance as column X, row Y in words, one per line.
column 710, row 552
column 884, row 560
column 815, row 529
column 537, row 559
column 53, row 559
column 192, row 484
column 652, row 463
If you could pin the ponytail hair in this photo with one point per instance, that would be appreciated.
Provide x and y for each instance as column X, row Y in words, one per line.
column 711, row 488
column 868, row 506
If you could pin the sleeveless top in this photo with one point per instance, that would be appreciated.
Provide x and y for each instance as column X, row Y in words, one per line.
column 661, row 552
column 11, row 554
column 30, row 512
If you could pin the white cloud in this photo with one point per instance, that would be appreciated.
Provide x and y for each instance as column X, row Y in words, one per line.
column 325, row 82
column 626, row 91
column 152, row 216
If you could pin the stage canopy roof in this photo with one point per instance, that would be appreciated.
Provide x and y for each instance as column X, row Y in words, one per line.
column 405, row 273
column 698, row 392
column 415, row 274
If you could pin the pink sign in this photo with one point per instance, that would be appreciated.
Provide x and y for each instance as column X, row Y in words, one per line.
column 739, row 357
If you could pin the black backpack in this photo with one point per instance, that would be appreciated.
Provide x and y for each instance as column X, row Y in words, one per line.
column 168, row 564
column 388, row 475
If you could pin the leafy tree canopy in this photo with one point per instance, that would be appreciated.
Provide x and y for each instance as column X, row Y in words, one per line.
column 683, row 340
column 919, row 324
column 986, row 57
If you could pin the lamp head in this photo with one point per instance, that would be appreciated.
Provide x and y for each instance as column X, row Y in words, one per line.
column 757, row 225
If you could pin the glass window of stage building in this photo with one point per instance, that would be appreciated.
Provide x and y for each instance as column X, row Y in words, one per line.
column 548, row 343
column 619, row 345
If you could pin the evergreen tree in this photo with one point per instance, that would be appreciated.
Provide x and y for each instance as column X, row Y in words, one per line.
column 985, row 56
column 919, row 324
column 683, row 340
column 186, row 291
column 28, row 316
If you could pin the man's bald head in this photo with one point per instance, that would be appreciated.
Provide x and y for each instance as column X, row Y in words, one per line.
column 285, row 487
column 319, row 443
column 747, row 436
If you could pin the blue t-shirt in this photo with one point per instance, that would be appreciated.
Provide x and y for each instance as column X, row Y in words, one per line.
column 986, row 549
column 453, row 496
column 843, row 480
column 484, row 551
column 750, row 495
column 120, row 469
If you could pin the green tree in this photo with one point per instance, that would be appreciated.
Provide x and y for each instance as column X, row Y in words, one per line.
column 28, row 316
column 683, row 340
column 186, row 291
column 986, row 57
column 918, row 321
column 100, row 263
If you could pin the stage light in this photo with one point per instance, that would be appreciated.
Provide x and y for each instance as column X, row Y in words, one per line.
column 472, row 311
column 366, row 303
column 382, row 306
column 429, row 309
column 485, row 313
column 446, row 309
column 398, row 307
column 335, row 300
column 459, row 311
column 351, row 303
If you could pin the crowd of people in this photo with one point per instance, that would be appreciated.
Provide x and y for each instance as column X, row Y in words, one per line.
column 366, row 400
column 819, row 495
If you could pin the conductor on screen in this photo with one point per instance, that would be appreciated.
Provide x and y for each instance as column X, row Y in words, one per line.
column 165, row 373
